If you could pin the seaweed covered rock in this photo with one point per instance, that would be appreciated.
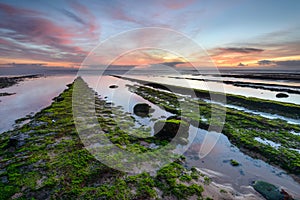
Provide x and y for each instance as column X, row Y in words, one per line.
column 168, row 129
column 270, row 191
column 142, row 109
column 113, row 86
column 282, row 95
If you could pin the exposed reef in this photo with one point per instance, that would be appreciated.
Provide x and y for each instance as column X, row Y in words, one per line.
column 10, row 81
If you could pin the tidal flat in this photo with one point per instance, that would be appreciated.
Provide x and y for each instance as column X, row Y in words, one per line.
column 48, row 149
column 241, row 128
column 46, row 159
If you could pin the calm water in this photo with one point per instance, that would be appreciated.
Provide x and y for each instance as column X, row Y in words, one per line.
column 31, row 96
column 35, row 94
column 225, row 88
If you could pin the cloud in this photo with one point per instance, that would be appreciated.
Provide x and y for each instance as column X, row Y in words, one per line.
column 240, row 50
column 172, row 64
column 177, row 4
column 29, row 35
column 90, row 19
column 15, row 11
column 232, row 56
column 73, row 16
column 283, row 63
column 289, row 63
column 265, row 62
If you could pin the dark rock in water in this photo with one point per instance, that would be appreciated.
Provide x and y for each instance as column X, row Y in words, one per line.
column 113, row 86
column 173, row 126
column 58, row 99
column 108, row 104
column 6, row 94
column 270, row 191
column 286, row 196
column 282, row 95
column 142, row 109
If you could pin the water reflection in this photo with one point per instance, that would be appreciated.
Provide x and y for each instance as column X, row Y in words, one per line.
column 219, row 87
column 31, row 96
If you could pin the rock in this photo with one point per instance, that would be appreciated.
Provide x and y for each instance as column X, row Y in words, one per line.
column 286, row 196
column 268, row 190
column 234, row 163
column 282, row 95
column 58, row 99
column 17, row 141
column 4, row 179
column 113, row 86
column 168, row 129
column 141, row 109
column 13, row 142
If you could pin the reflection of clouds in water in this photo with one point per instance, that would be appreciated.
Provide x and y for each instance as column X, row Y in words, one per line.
column 220, row 87
column 31, row 96
column 249, row 170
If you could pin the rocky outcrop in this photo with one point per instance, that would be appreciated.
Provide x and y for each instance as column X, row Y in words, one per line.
column 270, row 191
column 113, row 86
column 282, row 95
column 142, row 109
column 172, row 127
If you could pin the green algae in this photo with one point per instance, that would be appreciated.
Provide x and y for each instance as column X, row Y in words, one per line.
column 234, row 163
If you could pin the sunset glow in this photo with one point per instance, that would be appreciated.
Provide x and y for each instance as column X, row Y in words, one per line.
column 62, row 33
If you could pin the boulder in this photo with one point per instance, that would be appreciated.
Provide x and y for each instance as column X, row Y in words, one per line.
column 282, row 95
column 58, row 99
column 270, row 191
column 173, row 126
column 141, row 109
column 113, row 86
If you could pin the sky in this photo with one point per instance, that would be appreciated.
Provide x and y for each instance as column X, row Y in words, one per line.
column 233, row 33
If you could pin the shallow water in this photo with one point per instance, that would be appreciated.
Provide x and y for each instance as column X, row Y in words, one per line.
column 224, row 88
column 241, row 176
column 278, row 82
column 31, row 96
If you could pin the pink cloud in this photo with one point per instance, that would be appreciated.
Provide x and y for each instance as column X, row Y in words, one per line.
column 15, row 11
column 178, row 4
column 35, row 37
column 90, row 18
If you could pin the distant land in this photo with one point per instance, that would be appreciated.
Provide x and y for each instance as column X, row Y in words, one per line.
column 28, row 69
